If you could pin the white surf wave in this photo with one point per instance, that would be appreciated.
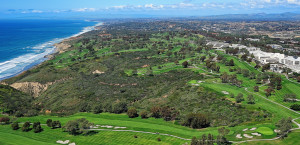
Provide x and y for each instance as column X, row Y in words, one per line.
column 19, row 64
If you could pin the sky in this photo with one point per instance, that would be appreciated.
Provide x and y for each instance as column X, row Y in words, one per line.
column 123, row 8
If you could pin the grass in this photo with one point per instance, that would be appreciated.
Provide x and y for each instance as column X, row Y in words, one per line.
column 149, row 125
column 292, row 139
column 265, row 130
column 50, row 136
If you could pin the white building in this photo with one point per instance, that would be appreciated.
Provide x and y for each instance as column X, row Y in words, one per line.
column 239, row 46
column 266, row 57
column 275, row 46
column 251, row 39
column 252, row 49
column 217, row 44
column 290, row 60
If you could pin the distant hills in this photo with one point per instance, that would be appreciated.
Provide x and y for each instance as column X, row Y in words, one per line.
column 257, row 16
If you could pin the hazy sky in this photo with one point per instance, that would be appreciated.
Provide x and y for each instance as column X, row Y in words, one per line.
column 92, row 8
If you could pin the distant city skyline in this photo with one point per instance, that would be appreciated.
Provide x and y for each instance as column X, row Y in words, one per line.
column 96, row 8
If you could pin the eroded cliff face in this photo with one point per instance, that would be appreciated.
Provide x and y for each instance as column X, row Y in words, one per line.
column 32, row 88
column 62, row 47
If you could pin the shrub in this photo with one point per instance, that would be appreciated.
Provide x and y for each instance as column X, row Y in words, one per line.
column 144, row 114
column 26, row 127
column 49, row 122
column 295, row 107
column 4, row 120
column 15, row 126
column 37, row 127
column 119, row 107
column 98, row 109
column 158, row 139
column 250, row 99
column 256, row 89
column 135, row 136
column 55, row 124
column 185, row 64
column 239, row 98
column 78, row 126
column 196, row 120
column 155, row 111
column 132, row 113
column 31, row 113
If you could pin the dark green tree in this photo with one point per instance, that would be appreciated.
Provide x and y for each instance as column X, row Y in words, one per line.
column 98, row 109
column 185, row 64
column 15, row 126
column 144, row 114
column 37, row 127
column 239, row 98
column 49, row 122
column 26, row 127
column 132, row 113
column 250, row 99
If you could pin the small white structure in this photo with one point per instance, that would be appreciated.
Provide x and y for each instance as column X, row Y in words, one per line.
column 266, row 57
column 252, row 48
column 291, row 60
column 275, row 46
column 217, row 44
column 239, row 46
column 251, row 39
column 277, row 67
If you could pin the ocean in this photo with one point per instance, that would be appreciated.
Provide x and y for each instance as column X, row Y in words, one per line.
column 24, row 43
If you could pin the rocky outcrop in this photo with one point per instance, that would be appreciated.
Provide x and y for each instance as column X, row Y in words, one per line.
column 98, row 72
column 62, row 47
column 31, row 88
column 34, row 88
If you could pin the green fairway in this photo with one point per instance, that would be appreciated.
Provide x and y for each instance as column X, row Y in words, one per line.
column 265, row 130
column 291, row 139
column 150, row 125
column 50, row 136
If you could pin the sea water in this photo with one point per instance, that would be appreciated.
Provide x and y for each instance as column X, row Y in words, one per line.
column 25, row 43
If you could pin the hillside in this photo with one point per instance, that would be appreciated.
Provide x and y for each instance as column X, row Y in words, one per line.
column 162, row 68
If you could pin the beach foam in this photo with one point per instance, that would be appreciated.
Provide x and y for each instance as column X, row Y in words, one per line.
column 24, row 62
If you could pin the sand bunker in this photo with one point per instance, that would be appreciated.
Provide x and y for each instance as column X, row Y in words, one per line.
column 107, row 126
column 257, row 134
column 120, row 127
column 225, row 93
column 254, row 128
column 239, row 136
column 276, row 130
column 248, row 136
column 245, row 129
column 63, row 142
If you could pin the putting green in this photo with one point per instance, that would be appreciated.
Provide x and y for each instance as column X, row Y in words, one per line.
column 265, row 130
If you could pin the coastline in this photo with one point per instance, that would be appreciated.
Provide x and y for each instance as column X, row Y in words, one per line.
column 57, row 46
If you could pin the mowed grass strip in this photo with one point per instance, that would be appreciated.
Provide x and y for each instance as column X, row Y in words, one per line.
column 149, row 125
column 50, row 136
